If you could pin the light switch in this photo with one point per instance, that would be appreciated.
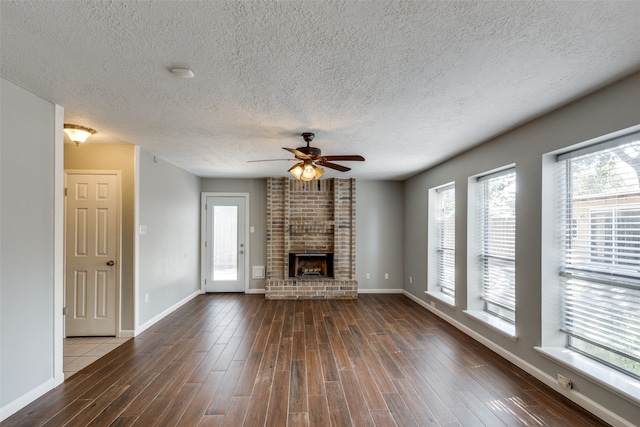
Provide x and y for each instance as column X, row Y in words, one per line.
column 143, row 229
column 252, row 229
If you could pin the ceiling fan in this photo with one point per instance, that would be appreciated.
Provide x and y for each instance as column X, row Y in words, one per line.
column 311, row 158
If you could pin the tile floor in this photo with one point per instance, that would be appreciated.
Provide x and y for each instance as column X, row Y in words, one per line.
column 79, row 353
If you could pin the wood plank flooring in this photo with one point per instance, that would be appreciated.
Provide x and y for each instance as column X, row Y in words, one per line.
column 241, row 360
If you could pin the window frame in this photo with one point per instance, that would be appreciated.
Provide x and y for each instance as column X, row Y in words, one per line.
column 489, row 253
column 475, row 269
column 553, row 342
column 597, row 280
column 434, row 250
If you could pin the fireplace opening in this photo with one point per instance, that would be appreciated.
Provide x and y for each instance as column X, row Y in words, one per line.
column 311, row 265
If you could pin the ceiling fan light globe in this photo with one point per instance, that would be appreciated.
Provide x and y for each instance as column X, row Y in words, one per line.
column 297, row 170
column 309, row 171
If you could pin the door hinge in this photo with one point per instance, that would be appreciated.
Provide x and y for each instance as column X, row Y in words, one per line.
column 65, row 191
column 64, row 311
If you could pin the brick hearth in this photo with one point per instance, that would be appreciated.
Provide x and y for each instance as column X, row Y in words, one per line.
column 315, row 216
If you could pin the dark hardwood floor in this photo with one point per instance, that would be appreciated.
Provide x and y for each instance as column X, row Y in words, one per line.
column 240, row 360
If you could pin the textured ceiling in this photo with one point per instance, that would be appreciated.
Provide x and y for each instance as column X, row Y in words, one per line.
column 405, row 84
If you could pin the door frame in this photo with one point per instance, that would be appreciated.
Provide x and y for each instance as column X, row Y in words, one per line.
column 203, row 236
column 118, row 257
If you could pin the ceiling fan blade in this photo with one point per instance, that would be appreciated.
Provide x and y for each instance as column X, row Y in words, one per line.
column 299, row 154
column 354, row 158
column 270, row 160
column 334, row 166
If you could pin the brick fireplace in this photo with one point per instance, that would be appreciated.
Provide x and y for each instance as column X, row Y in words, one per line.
column 311, row 234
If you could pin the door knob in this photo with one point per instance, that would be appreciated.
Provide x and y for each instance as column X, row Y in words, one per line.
column 110, row 263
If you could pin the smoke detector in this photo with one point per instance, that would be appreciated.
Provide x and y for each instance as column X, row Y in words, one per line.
column 183, row 73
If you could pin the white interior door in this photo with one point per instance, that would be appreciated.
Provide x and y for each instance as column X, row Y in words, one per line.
column 225, row 244
column 92, row 231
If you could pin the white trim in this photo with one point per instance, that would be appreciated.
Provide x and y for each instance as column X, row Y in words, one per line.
column 255, row 291
column 58, row 246
column 165, row 313
column 602, row 143
column 379, row 291
column 619, row 383
column 442, row 298
column 576, row 397
column 492, row 322
column 136, row 236
column 203, row 236
column 126, row 333
column 118, row 266
column 22, row 401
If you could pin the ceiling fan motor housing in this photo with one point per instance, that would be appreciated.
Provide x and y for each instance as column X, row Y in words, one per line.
column 310, row 151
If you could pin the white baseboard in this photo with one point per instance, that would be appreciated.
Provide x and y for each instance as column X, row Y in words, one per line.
column 126, row 333
column 254, row 291
column 22, row 401
column 379, row 291
column 165, row 313
column 578, row 398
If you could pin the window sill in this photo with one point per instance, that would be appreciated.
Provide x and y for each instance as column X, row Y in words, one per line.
column 619, row 383
column 504, row 328
column 443, row 298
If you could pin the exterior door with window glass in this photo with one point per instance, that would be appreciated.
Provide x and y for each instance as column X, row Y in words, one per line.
column 225, row 244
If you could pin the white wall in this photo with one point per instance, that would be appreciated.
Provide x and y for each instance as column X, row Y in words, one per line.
column 29, row 250
column 169, row 252
column 611, row 109
column 379, row 234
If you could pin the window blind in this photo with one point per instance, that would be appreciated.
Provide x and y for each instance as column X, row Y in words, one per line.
column 599, row 211
column 447, row 239
column 498, row 227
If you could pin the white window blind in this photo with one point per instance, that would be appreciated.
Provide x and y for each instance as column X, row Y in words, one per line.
column 447, row 239
column 498, row 237
column 600, row 273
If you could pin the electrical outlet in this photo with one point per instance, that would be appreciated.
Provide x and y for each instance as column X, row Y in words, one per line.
column 565, row 382
column 367, row 276
column 433, row 304
column 146, row 297
column 386, row 275
column 410, row 279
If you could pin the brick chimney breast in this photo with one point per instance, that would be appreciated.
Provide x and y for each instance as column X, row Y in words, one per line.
column 311, row 217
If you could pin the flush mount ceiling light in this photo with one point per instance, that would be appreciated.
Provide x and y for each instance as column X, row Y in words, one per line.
column 77, row 134
column 184, row 73
column 306, row 170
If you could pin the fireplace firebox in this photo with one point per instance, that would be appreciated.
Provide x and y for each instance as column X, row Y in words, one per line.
column 312, row 265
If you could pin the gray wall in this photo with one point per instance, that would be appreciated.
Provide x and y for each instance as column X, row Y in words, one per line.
column 611, row 109
column 26, row 242
column 257, row 189
column 379, row 217
column 114, row 157
column 379, row 234
column 169, row 255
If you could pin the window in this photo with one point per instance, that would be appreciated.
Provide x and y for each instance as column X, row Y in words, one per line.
column 599, row 206
column 497, row 243
column 446, row 231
